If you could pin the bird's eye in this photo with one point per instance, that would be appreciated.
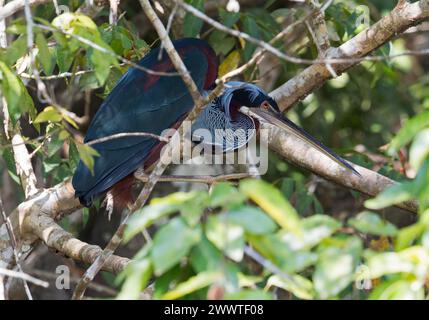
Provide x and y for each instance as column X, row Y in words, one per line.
column 265, row 105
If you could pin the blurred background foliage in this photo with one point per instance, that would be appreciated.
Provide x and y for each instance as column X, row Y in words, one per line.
column 290, row 235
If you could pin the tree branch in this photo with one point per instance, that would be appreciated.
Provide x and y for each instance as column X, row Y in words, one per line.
column 35, row 219
column 162, row 164
column 45, row 228
column 305, row 156
column 16, row 5
column 402, row 17
column 23, row 276
column 141, row 176
column 29, row 223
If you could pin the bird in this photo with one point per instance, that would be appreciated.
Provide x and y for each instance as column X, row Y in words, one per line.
column 223, row 115
column 141, row 102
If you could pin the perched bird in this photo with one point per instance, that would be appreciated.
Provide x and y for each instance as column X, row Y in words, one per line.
column 224, row 113
column 141, row 102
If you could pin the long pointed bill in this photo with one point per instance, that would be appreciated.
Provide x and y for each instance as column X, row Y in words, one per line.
column 284, row 123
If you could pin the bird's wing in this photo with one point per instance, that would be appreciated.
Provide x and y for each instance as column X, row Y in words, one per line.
column 140, row 102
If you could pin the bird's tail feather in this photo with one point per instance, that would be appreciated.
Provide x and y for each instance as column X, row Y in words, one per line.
column 122, row 193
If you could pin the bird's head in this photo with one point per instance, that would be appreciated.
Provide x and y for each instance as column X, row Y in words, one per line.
column 241, row 94
column 264, row 108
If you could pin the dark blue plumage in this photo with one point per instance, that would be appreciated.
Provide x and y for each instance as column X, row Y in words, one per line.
column 141, row 102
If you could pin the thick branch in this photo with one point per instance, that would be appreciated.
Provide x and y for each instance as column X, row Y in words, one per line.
column 24, row 168
column 402, row 17
column 53, row 202
column 35, row 219
column 57, row 238
column 305, row 156
column 27, row 220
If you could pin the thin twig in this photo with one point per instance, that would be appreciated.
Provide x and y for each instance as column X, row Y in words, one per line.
column 25, row 277
column 61, row 75
column 260, row 53
column 126, row 135
column 93, row 285
column 14, row 6
column 169, row 24
column 141, row 176
column 109, row 52
column 320, row 33
column 164, row 157
column 284, row 56
column 267, row 264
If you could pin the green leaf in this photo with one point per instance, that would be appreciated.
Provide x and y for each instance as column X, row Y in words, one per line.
column 16, row 50
column 17, row 97
column 63, row 135
column 227, row 18
column 84, row 27
column 314, row 230
column 271, row 201
column 69, row 21
column 226, row 236
column 252, row 219
column 249, row 281
column 50, row 164
column 44, row 55
column 205, row 256
column 220, row 43
column 147, row 216
column 335, row 269
column 49, row 114
column 299, row 286
column 85, row 217
column 249, row 294
column 193, row 209
column 412, row 260
column 408, row 235
column 230, row 63
column 65, row 57
column 223, row 194
column 201, row 280
column 393, row 195
column 333, row 273
column 191, row 24
column 288, row 187
column 409, row 131
column 275, row 250
column 397, row 290
column 101, row 62
column 171, row 243
column 8, row 157
column 73, row 155
column 419, row 149
column 164, row 282
column 158, row 208
column 87, row 155
column 137, row 275
column 249, row 26
column 370, row 222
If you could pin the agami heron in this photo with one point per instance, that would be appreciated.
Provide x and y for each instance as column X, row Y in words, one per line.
column 142, row 102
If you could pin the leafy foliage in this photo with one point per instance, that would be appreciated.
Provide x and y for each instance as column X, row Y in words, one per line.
column 316, row 258
column 310, row 240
